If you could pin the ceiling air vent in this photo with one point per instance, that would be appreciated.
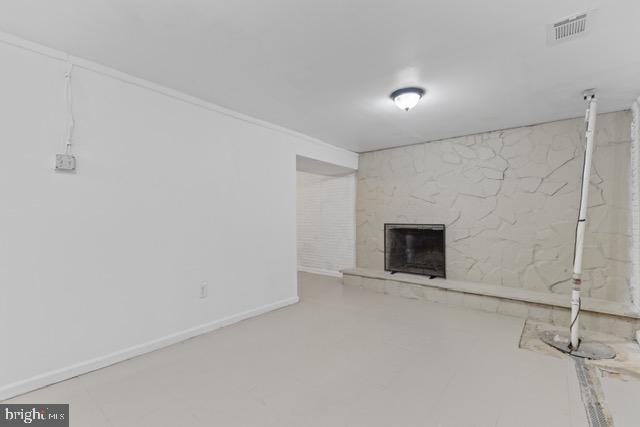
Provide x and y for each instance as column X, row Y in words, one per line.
column 568, row 28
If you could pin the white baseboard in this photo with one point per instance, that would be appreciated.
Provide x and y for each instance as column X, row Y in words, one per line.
column 51, row 377
column 319, row 271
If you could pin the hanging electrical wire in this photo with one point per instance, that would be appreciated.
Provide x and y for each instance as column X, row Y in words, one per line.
column 69, row 100
column 67, row 161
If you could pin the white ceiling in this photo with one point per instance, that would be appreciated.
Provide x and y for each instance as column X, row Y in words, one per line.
column 326, row 67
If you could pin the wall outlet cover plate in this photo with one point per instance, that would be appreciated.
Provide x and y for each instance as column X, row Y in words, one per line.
column 65, row 162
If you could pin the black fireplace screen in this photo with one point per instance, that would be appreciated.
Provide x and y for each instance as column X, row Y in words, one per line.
column 415, row 248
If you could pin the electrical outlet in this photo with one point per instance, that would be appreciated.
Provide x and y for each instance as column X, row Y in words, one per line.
column 204, row 289
column 65, row 162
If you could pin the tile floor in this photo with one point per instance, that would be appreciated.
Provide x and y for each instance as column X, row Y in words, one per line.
column 341, row 357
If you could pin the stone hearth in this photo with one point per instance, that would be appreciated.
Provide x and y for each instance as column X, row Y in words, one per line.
column 597, row 315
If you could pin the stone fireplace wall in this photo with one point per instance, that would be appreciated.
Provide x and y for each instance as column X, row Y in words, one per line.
column 510, row 201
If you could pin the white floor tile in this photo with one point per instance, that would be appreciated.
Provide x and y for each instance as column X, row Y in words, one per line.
column 342, row 357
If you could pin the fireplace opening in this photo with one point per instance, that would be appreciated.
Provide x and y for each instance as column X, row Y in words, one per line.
column 415, row 248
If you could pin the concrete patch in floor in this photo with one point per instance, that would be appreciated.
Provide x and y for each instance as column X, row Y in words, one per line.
column 625, row 366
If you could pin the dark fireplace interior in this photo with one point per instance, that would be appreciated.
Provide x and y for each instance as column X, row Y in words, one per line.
column 415, row 248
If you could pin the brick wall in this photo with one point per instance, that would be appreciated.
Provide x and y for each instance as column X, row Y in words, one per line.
column 326, row 223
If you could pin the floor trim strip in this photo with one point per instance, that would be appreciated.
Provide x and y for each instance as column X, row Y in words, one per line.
column 592, row 396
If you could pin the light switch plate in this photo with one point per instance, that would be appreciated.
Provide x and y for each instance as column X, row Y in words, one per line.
column 65, row 162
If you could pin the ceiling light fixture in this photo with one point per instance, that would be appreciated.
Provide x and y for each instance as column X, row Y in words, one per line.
column 407, row 97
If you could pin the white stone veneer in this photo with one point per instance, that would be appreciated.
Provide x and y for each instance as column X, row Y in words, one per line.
column 509, row 200
column 635, row 205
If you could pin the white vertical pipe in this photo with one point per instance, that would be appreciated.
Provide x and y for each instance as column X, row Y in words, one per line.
column 582, row 223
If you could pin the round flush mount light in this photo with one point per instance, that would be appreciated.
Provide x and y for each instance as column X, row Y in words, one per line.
column 407, row 97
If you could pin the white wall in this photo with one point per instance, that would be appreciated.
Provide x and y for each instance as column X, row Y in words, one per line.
column 326, row 223
column 107, row 263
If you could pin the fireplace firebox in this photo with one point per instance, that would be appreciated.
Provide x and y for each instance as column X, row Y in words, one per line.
column 415, row 248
